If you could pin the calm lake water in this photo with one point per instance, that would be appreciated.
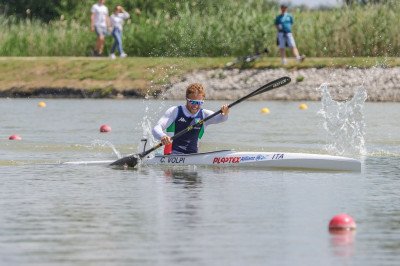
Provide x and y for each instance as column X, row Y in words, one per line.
column 94, row 215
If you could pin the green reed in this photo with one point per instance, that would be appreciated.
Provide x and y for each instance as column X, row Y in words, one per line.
column 230, row 29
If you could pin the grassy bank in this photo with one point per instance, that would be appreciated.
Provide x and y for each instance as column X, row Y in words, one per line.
column 229, row 28
column 94, row 77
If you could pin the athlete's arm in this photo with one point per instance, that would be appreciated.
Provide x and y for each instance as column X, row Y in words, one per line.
column 165, row 121
column 218, row 118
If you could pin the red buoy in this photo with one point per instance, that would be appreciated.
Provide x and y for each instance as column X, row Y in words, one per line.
column 342, row 222
column 105, row 128
column 14, row 137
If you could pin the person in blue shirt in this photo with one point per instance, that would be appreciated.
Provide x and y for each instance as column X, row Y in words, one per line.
column 284, row 24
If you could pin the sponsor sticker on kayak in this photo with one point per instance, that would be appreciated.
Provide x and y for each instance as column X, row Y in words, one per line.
column 259, row 157
column 223, row 160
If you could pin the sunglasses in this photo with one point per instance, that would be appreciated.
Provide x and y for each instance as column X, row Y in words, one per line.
column 194, row 102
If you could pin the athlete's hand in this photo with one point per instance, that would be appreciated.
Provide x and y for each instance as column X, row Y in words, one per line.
column 166, row 140
column 225, row 109
column 92, row 28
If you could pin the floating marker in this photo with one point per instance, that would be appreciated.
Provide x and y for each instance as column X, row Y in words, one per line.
column 303, row 106
column 265, row 111
column 14, row 137
column 42, row 104
column 105, row 128
column 342, row 222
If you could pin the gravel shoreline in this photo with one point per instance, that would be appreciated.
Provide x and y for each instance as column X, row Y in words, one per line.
column 381, row 84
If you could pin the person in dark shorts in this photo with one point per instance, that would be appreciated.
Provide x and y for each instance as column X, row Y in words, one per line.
column 284, row 24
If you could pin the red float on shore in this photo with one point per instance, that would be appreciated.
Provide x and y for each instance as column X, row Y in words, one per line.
column 342, row 222
column 105, row 128
column 14, row 137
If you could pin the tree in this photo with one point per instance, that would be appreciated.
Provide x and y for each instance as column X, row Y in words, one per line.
column 45, row 10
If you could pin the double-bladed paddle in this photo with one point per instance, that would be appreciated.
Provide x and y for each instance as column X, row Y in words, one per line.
column 132, row 160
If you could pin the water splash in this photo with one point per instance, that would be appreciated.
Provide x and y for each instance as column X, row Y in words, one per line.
column 157, row 89
column 104, row 143
column 344, row 122
column 146, row 126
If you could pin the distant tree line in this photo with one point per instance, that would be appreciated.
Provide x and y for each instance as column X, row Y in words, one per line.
column 47, row 10
column 365, row 2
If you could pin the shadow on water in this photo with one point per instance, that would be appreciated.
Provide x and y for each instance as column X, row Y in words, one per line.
column 189, row 178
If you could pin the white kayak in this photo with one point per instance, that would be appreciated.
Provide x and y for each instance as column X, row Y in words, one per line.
column 258, row 159
column 229, row 158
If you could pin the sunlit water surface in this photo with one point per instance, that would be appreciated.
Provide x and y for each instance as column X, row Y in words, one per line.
column 95, row 215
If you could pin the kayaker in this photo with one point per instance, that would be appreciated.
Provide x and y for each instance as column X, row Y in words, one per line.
column 284, row 24
column 178, row 118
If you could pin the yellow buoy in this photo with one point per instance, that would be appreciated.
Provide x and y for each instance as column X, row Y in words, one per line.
column 42, row 104
column 303, row 106
column 265, row 111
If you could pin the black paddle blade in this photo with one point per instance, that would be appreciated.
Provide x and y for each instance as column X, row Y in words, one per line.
column 272, row 85
column 129, row 161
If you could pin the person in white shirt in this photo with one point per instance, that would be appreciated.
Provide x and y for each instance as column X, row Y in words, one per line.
column 99, row 23
column 117, row 22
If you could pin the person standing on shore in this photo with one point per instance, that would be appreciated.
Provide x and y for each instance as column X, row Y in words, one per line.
column 178, row 118
column 99, row 23
column 284, row 24
column 117, row 21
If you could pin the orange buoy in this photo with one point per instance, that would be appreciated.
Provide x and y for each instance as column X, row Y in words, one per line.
column 14, row 137
column 342, row 222
column 105, row 128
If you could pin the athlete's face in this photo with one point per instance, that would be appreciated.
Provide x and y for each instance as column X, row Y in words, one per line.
column 194, row 108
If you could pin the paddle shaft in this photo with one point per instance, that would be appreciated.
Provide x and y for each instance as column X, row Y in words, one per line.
column 272, row 85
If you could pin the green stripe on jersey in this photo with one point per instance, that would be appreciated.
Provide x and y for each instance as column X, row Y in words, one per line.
column 201, row 132
column 171, row 128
